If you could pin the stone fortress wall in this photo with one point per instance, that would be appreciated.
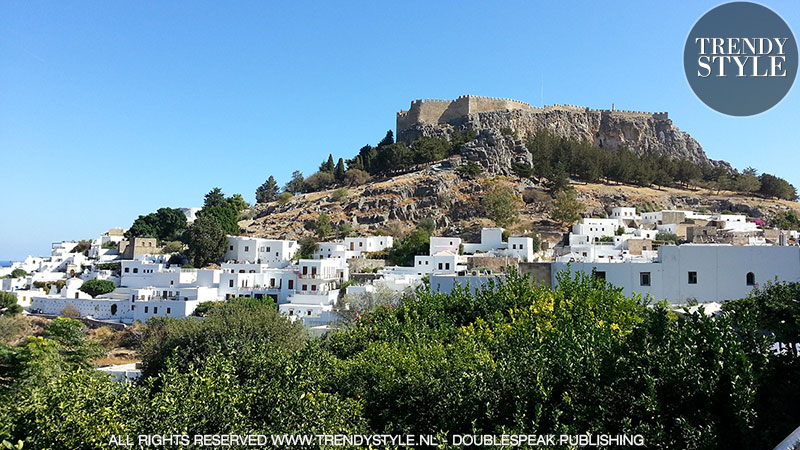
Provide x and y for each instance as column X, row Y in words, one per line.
column 435, row 111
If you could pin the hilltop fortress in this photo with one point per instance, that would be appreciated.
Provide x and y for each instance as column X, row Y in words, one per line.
column 507, row 123
column 433, row 111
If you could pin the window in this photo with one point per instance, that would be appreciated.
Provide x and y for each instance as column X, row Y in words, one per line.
column 246, row 248
column 313, row 287
column 644, row 278
column 692, row 277
column 600, row 275
column 146, row 308
column 291, row 312
column 135, row 270
column 272, row 282
column 305, row 287
column 127, row 269
column 291, row 284
column 155, row 309
column 308, row 312
column 230, row 283
column 268, row 250
column 440, row 266
column 231, row 247
column 447, row 266
column 169, row 310
column 751, row 279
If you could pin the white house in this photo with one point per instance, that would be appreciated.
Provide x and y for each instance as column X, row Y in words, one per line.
column 367, row 244
column 491, row 239
column 705, row 272
column 273, row 252
column 444, row 244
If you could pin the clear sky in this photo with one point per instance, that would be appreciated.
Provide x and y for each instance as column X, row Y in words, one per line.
column 109, row 110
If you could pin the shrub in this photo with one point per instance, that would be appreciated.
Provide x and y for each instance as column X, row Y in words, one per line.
column 318, row 182
column 18, row 273
column 285, row 198
column 669, row 238
column 501, row 204
column 97, row 287
column 470, row 169
column 340, row 194
column 173, row 247
column 8, row 304
column 356, row 177
column 566, row 208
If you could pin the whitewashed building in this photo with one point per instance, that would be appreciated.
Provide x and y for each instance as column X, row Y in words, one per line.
column 705, row 272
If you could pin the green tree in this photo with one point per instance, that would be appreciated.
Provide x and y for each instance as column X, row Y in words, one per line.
column 387, row 140
column 339, row 172
column 268, row 191
column 772, row 186
column 97, row 287
column 327, row 166
column 356, row 177
column 307, row 248
column 166, row 224
column 18, row 273
column 318, row 182
column 8, row 304
column 566, row 208
column 295, row 184
column 747, row 181
column 206, row 240
column 470, row 169
column 214, row 197
column 403, row 251
column 322, row 226
column 237, row 202
column 225, row 215
column 501, row 203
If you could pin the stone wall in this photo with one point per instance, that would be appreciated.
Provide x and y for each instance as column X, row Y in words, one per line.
column 438, row 111
column 497, row 264
column 357, row 265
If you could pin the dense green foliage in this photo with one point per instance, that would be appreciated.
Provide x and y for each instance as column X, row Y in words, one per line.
column 8, row 304
column 786, row 220
column 515, row 358
column 501, row 203
column 97, row 287
column 295, row 184
column 556, row 158
column 206, row 240
column 414, row 243
column 166, row 224
column 18, row 273
column 322, row 226
column 268, row 191
column 567, row 207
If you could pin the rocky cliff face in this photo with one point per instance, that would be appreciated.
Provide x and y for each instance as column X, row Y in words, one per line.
column 642, row 134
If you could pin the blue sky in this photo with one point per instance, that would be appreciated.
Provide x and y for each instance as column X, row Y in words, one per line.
column 109, row 110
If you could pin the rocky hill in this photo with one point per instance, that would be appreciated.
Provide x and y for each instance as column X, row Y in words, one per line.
column 453, row 202
column 503, row 127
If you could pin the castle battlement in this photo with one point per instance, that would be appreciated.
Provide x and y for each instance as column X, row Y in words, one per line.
column 443, row 111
